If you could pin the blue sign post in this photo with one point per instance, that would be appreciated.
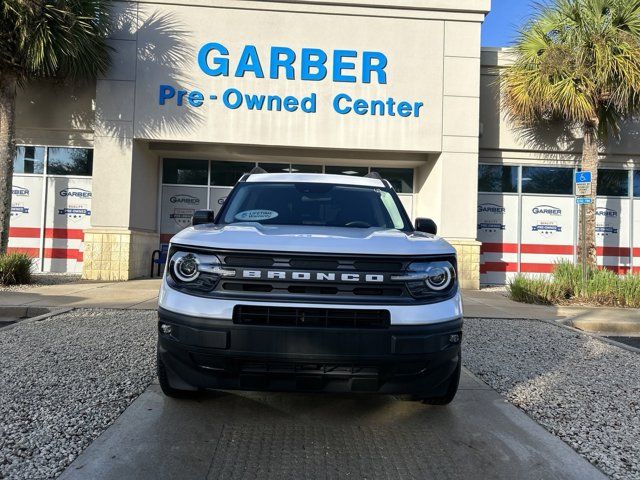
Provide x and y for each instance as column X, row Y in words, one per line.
column 583, row 192
column 583, row 177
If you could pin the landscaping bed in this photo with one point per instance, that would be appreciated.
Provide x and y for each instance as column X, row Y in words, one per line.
column 64, row 380
column 578, row 387
column 567, row 286
column 41, row 280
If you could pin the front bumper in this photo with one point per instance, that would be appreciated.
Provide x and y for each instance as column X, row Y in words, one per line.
column 206, row 353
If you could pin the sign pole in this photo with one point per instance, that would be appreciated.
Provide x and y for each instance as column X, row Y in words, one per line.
column 583, row 226
column 583, row 192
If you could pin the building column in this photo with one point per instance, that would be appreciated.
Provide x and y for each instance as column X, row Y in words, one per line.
column 449, row 192
column 123, row 232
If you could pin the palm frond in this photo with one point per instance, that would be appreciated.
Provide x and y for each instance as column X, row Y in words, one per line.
column 579, row 61
column 52, row 38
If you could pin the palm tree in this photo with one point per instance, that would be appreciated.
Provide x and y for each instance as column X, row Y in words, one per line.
column 577, row 61
column 44, row 38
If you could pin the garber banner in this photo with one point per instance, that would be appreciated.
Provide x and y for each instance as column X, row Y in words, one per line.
column 284, row 63
column 241, row 79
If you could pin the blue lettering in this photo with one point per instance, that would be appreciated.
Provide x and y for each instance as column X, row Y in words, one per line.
column 308, row 104
column 254, row 102
column 361, row 107
column 195, row 98
column 286, row 62
column 290, row 104
column 166, row 92
column 336, row 103
column 222, row 64
column 249, row 62
column 318, row 64
column 379, row 106
column 339, row 64
column 274, row 99
column 416, row 108
column 226, row 98
column 368, row 66
column 404, row 109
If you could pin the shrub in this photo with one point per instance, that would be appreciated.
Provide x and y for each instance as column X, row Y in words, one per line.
column 567, row 285
column 15, row 268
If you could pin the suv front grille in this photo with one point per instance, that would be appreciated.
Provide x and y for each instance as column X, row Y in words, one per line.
column 310, row 317
column 312, row 288
column 316, row 278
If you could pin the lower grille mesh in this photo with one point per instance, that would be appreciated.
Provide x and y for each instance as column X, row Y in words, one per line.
column 310, row 317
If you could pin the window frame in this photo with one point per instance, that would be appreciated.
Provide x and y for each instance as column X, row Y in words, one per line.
column 629, row 182
column 518, row 179
column 521, row 190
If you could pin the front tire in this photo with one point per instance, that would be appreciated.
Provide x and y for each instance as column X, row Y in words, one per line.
column 165, row 386
column 452, row 388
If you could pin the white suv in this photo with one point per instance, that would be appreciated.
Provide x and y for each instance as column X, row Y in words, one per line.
column 310, row 282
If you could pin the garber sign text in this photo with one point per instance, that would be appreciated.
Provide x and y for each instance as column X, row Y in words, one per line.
column 283, row 63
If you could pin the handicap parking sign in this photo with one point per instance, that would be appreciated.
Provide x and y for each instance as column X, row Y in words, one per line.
column 583, row 177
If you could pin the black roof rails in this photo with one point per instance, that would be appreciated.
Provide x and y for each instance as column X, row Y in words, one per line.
column 377, row 176
column 253, row 171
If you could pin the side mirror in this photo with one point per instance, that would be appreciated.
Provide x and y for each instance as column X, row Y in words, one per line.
column 426, row 225
column 202, row 216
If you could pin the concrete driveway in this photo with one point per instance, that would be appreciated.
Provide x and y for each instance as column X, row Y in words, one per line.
column 295, row 436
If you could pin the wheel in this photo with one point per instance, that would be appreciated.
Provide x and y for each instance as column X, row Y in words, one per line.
column 452, row 388
column 166, row 388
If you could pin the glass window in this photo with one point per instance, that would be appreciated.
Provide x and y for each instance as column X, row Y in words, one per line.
column 29, row 160
column 299, row 168
column 613, row 183
column 275, row 167
column 636, row 183
column 498, row 178
column 227, row 174
column 547, row 180
column 359, row 171
column 400, row 178
column 315, row 204
column 185, row 172
column 69, row 161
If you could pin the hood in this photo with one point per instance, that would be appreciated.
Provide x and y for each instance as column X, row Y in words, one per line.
column 310, row 239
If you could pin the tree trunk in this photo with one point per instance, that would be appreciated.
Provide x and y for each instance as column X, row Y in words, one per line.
column 589, row 164
column 7, row 153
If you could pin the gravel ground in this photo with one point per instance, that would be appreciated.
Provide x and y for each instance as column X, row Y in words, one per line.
column 64, row 380
column 583, row 390
column 501, row 289
column 42, row 279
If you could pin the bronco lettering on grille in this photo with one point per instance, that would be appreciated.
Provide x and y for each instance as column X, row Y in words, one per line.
column 313, row 276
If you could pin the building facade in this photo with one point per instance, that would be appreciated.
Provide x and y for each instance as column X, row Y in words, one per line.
column 200, row 92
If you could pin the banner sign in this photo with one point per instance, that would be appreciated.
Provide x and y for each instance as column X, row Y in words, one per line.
column 498, row 231
column 349, row 84
column 613, row 233
column 548, row 232
column 68, row 214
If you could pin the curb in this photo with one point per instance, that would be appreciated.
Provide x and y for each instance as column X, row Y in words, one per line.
column 603, row 326
column 575, row 330
column 39, row 318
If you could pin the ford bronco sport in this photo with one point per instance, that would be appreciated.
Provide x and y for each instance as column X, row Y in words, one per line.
column 310, row 282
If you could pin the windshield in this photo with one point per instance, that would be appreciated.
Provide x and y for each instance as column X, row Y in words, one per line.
column 317, row 204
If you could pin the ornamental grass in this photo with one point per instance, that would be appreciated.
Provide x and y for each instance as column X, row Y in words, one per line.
column 566, row 285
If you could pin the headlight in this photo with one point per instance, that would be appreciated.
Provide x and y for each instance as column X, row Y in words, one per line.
column 185, row 266
column 196, row 270
column 429, row 279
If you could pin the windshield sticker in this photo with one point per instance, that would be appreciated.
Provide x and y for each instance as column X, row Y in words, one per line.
column 256, row 215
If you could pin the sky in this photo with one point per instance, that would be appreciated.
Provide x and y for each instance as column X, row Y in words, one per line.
column 501, row 25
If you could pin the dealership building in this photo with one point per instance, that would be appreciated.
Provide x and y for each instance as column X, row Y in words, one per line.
column 201, row 91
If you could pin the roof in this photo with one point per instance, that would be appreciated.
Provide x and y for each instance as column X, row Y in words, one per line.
column 316, row 178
